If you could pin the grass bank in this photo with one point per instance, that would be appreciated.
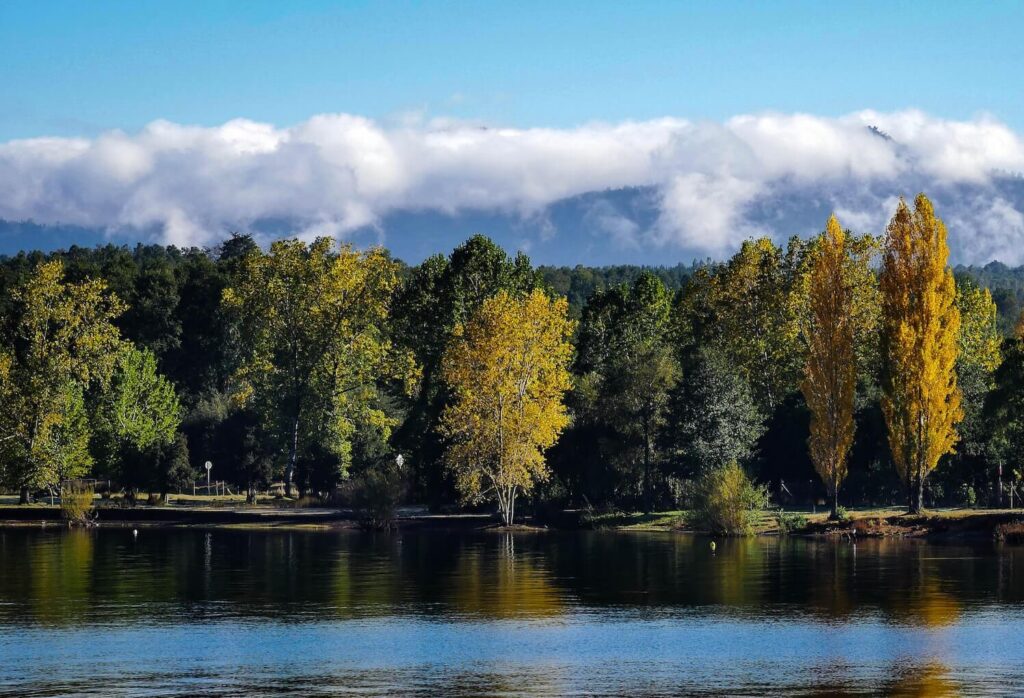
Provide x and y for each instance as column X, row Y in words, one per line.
column 1001, row 524
column 233, row 512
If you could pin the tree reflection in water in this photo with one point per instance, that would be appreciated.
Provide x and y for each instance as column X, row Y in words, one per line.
column 491, row 612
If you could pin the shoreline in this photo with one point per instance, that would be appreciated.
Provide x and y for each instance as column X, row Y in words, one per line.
column 939, row 524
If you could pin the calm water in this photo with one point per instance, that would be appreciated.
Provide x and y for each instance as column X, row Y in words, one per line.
column 186, row 612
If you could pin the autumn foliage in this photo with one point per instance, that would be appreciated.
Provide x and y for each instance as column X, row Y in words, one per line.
column 830, row 375
column 921, row 326
column 508, row 368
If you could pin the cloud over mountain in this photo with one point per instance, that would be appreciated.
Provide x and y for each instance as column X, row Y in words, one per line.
column 707, row 185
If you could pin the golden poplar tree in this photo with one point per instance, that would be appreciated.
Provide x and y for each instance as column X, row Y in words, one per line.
column 830, row 372
column 921, row 328
column 508, row 370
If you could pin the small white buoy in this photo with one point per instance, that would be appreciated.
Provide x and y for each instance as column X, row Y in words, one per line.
column 713, row 546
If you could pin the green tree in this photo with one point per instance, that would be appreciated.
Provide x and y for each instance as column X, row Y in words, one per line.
column 1004, row 406
column 141, row 407
column 65, row 342
column 744, row 309
column 714, row 418
column 135, row 421
column 63, row 437
column 313, row 325
column 629, row 370
column 174, row 470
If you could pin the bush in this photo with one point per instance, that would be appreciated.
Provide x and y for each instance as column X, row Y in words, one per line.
column 377, row 492
column 967, row 496
column 725, row 500
column 788, row 523
column 842, row 514
column 76, row 504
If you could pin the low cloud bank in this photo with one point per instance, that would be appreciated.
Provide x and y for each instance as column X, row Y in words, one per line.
column 714, row 183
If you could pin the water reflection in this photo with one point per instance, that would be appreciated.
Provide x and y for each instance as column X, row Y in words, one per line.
column 497, row 613
column 62, row 577
column 933, row 680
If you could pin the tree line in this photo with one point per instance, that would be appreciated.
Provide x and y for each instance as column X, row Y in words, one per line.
column 852, row 367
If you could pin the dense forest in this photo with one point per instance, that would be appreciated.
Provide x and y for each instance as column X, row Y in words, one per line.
column 316, row 365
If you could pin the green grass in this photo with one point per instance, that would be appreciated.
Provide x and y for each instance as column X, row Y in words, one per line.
column 662, row 520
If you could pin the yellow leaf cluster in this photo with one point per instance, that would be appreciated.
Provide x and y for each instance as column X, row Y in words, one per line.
column 508, row 370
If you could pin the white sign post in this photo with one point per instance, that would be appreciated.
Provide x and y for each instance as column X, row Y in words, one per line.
column 208, row 466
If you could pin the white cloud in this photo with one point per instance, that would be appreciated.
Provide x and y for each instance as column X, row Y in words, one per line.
column 338, row 172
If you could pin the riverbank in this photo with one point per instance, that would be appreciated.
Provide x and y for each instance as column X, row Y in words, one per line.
column 230, row 515
column 886, row 522
column 1004, row 524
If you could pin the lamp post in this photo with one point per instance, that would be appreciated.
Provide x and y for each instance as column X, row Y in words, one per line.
column 208, row 465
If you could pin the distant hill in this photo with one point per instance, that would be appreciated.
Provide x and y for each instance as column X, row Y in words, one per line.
column 626, row 226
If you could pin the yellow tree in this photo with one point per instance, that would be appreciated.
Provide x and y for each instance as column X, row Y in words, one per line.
column 830, row 370
column 921, row 330
column 508, row 370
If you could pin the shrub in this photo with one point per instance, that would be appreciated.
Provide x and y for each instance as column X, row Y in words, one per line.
column 968, row 497
column 842, row 514
column 76, row 505
column 790, row 522
column 377, row 492
column 725, row 500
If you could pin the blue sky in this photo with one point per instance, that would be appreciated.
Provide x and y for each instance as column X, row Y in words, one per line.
column 80, row 68
column 577, row 131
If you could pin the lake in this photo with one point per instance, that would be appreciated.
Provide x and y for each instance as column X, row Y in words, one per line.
column 221, row 612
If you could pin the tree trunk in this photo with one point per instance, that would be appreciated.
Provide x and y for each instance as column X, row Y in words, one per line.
column 916, row 494
column 23, row 496
column 647, row 473
column 835, row 504
column 506, row 506
column 293, row 452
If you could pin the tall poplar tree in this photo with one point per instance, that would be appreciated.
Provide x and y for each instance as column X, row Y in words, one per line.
column 921, row 329
column 830, row 372
column 839, row 300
